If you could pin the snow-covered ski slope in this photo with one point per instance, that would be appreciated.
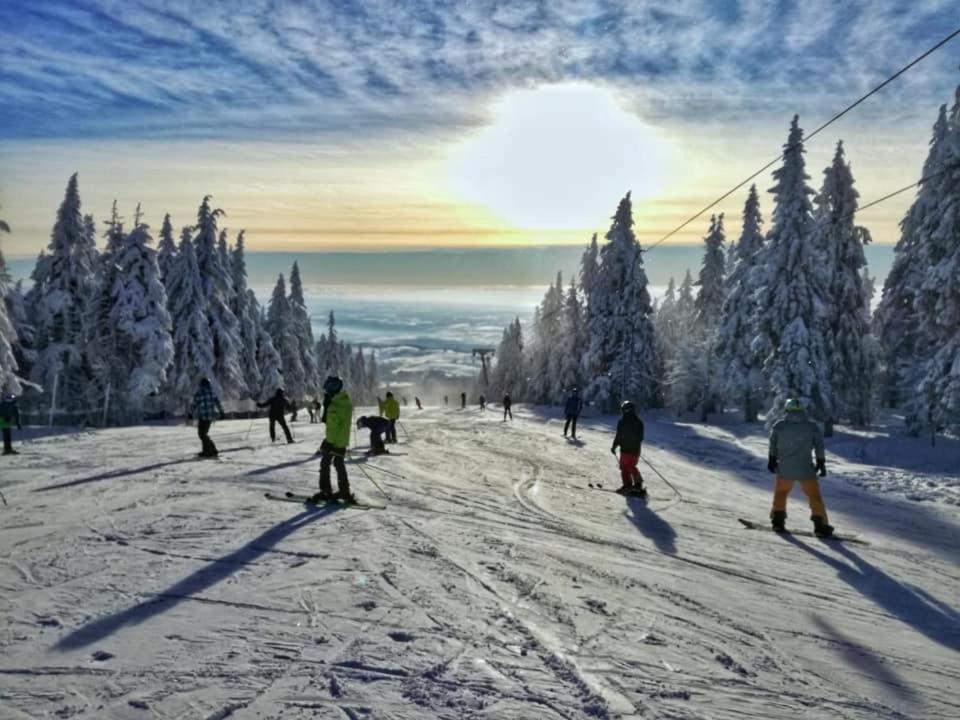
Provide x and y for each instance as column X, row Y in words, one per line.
column 136, row 582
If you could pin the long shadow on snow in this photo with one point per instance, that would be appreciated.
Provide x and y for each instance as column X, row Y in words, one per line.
column 651, row 525
column 932, row 618
column 281, row 466
column 123, row 472
column 213, row 573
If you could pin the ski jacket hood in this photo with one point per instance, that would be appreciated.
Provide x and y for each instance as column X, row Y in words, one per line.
column 793, row 442
column 338, row 415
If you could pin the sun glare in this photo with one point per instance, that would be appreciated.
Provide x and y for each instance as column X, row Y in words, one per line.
column 559, row 157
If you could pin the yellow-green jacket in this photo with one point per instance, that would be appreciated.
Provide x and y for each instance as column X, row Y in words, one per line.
column 390, row 409
column 339, row 415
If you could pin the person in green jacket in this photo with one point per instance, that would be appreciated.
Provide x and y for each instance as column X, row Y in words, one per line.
column 337, row 414
column 390, row 409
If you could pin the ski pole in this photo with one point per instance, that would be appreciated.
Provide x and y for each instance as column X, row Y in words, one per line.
column 247, row 436
column 375, row 483
column 387, row 472
column 660, row 475
column 402, row 427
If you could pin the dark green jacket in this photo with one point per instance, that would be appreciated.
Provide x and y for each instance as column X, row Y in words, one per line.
column 793, row 442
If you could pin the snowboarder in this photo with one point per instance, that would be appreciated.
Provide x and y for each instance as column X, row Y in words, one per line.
column 278, row 406
column 337, row 413
column 9, row 414
column 483, row 404
column 463, row 401
column 572, row 410
column 792, row 442
column 377, row 426
column 507, row 403
column 629, row 439
column 206, row 408
column 390, row 409
column 419, row 404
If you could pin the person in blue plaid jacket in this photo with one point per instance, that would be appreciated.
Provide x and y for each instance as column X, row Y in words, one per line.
column 206, row 408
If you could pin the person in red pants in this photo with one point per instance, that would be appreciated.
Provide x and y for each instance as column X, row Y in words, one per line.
column 629, row 439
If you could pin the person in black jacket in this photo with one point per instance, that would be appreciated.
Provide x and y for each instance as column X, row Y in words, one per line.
column 377, row 427
column 278, row 406
column 507, row 404
column 9, row 415
column 572, row 410
column 629, row 439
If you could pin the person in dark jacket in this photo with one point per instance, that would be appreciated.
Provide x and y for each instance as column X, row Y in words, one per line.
column 483, row 403
column 463, row 401
column 572, row 410
column 294, row 409
column 317, row 409
column 507, row 404
column 278, row 406
column 206, row 408
column 377, row 427
column 9, row 415
column 629, row 439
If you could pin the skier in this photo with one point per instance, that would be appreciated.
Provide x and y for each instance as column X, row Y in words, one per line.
column 629, row 439
column 463, row 401
column 572, row 410
column 9, row 414
column 792, row 442
column 337, row 413
column 483, row 404
column 315, row 417
column 377, row 427
column 419, row 404
column 278, row 406
column 446, row 400
column 390, row 409
column 206, row 408
column 293, row 410
column 507, row 403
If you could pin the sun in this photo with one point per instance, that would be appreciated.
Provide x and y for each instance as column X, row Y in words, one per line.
column 559, row 157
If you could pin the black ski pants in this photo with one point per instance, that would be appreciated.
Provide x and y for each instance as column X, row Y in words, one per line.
column 392, row 432
column 7, row 440
column 335, row 456
column 571, row 420
column 506, row 411
column 203, row 430
column 274, row 421
column 376, row 442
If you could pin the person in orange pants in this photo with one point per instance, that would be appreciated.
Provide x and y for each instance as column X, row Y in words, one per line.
column 794, row 440
column 629, row 438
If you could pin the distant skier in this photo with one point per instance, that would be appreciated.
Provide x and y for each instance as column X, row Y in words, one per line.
column 404, row 400
column 278, row 406
column 572, row 410
column 419, row 404
column 463, row 401
column 446, row 400
column 9, row 414
column 390, row 409
column 294, row 408
column 507, row 404
column 337, row 413
column 629, row 439
column 206, row 408
column 483, row 403
column 378, row 426
column 793, row 441
column 317, row 409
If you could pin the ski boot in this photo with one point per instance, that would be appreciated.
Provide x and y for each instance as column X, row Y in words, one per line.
column 346, row 497
column 638, row 491
column 322, row 497
column 623, row 490
column 778, row 520
column 821, row 528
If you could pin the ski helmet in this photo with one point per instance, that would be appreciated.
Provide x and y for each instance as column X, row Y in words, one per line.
column 792, row 405
column 332, row 384
column 626, row 406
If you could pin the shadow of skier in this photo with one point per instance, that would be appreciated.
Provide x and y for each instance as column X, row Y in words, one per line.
column 280, row 466
column 651, row 525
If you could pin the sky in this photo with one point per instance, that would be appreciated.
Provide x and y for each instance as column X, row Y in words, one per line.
column 385, row 125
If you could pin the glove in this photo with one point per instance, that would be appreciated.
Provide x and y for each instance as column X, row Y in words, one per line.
column 772, row 464
column 821, row 467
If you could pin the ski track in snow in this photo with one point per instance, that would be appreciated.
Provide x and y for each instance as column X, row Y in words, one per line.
column 136, row 582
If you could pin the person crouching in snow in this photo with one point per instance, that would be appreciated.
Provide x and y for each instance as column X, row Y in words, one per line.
column 793, row 441
column 337, row 413
column 629, row 439
column 377, row 427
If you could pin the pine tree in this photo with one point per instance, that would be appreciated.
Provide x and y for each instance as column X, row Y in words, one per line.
column 282, row 328
column 509, row 374
column 569, row 347
column 544, row 359
column 309, row 383
column 700, row 364
column 738, row 358
column 329, row 351
column 9, row 379
column 269, row 362
column 166, row 248
column 852, row 350
column 791, row 301
column 247, row 311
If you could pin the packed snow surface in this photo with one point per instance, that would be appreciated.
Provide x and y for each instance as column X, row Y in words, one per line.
column 138, row 582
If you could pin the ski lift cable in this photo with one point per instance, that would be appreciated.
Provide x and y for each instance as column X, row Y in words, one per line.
column 809, row 137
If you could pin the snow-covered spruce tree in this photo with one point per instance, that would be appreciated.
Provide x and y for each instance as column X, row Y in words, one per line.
column 329, row 352
column 193, row 353
column 247, row 311
column 9, row 379
column 896, row 321
column 373, row 376
column 283, row 330
column 544, row 358
column 938, row 298
column 852, row 349
column 269, row 362
column 509, row 374
column 569, row 347
column 66, row 285
column 143, row 327
column 621, row 359
column 359, row 378
column 166, row 247
column 303, row 329
column 739, row 361
column 791, row 314
column 224, row 327
column 223, row 249
column 18, row 313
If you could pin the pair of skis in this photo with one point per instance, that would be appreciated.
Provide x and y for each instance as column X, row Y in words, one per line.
column 308, row 500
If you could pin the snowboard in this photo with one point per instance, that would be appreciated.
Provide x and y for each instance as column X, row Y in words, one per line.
column 840, row 537
column 308, row 500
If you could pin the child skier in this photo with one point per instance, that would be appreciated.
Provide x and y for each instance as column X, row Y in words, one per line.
column 278, row 406
column 629, row 439
column 206, row 408
column 338, row 411
column 9, row 414
column 793, row 440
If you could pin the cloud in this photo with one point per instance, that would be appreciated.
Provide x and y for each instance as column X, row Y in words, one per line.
column 185, row 68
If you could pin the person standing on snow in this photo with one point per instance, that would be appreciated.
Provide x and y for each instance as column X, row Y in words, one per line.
column 572, row 410
column 278, row 406
column 377, row 427
column 317, row 409
column 419, row 404
column 507, row 403
column 206, row 408
column 337, row 414
column 9, row 414
column 483, row 403
column 390, row 409
column 793, row 441
column 629, row 438
column 446, row 400
column 463, row 401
